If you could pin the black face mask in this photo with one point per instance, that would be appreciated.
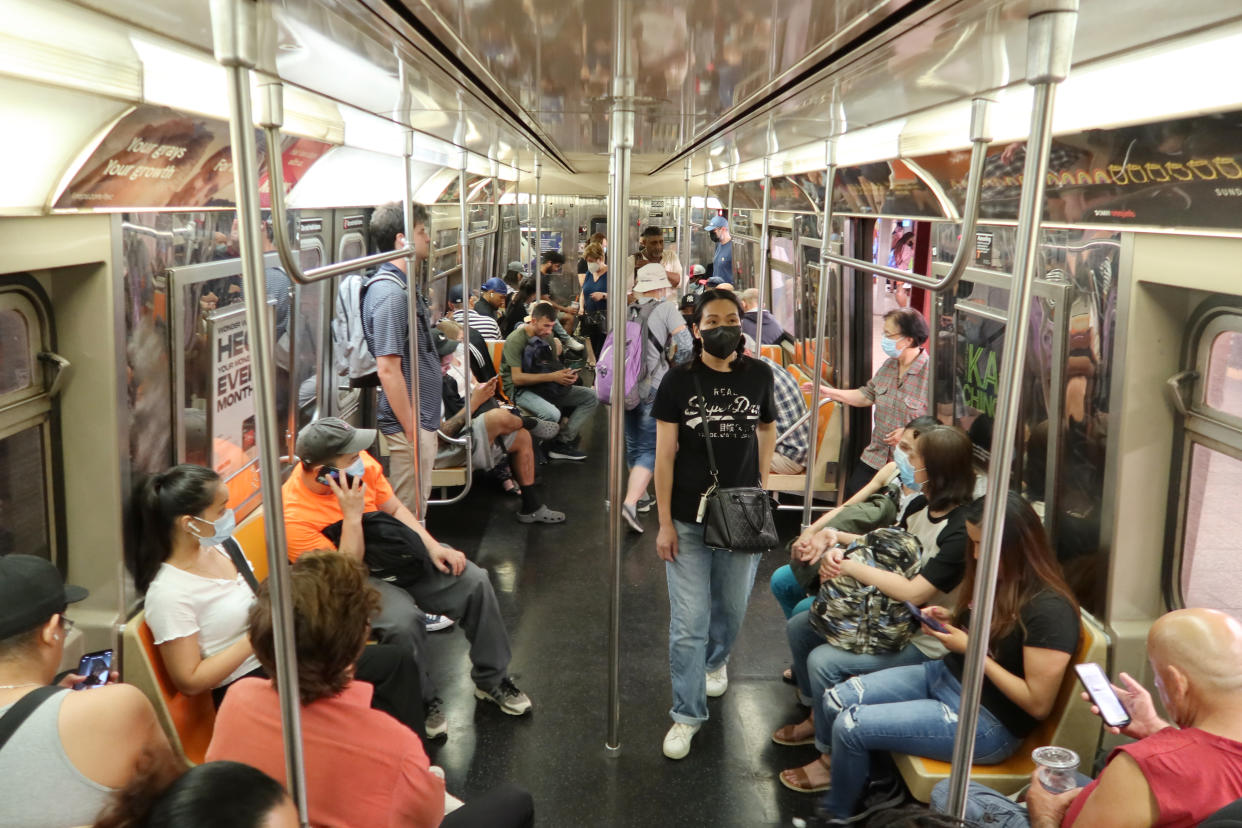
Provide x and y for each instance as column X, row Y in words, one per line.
column 714, row 236
column 721, row 341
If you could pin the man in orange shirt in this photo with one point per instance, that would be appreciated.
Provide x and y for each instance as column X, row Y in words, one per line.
column 337, row 481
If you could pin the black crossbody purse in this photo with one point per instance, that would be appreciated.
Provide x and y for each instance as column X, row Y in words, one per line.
column 738, row 518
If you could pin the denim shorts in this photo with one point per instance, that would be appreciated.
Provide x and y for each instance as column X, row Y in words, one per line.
column 640, row 436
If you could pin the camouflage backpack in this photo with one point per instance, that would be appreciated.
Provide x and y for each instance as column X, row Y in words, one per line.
column 861, row 618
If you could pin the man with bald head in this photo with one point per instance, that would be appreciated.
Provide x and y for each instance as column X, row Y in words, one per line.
column 1176, row 774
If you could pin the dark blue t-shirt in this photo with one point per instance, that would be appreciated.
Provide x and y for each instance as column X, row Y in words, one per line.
column 722, row 261
column 385, row 308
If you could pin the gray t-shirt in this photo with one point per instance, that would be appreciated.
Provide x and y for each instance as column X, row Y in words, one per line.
column 39, row 786
column 385, row 311
column 665, row 319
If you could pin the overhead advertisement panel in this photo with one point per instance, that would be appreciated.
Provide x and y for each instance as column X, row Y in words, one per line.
column 158, row 158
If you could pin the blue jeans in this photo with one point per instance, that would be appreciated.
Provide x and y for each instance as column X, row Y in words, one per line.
column 708, row 589
column 818, row 666
column 577, row 397
column 640, row 437
column 789, row 593
column 906, row 709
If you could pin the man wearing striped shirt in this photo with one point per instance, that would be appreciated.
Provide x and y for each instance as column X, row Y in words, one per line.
column 485, row 324
column 791, row 452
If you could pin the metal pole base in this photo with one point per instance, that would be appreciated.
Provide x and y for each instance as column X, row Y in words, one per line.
column 612, row 751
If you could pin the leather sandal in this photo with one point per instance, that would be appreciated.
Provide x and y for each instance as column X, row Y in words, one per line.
column 788, row 735
column 796, row 779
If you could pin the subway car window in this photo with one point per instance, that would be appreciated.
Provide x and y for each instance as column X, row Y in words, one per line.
column 16, row 369
column 1224, row 374
column 1211, row 567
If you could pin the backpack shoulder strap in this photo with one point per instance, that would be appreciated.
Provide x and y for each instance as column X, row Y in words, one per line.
column 22, row 709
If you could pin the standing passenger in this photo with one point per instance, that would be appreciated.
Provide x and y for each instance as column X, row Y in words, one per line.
column 708, row 588
column 386, row 325
column 594, row 297
column 722, row 259
column 898, row 391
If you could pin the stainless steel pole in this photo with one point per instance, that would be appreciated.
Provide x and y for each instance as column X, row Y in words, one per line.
column 687, row 249
column 538, row 229
column 464, row 241
column 618, row 285
column 411, row 295
column 233, row 28
column 765, row 243
column 821, row 314
column 1050, row 40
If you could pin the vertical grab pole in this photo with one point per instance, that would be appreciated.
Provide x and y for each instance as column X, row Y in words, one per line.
column 686, row 249
column 538, row 229
column 1050, row 40
column 821, row 312
column 234, row 25
column 411, row 295
column 463, row 238
column 765, row 244
column 618, row 285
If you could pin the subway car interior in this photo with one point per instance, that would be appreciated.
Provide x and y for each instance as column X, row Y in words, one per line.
column 1062, row 165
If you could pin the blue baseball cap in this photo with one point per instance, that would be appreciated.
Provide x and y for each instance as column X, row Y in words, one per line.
column 716, row 223
column 496, row 284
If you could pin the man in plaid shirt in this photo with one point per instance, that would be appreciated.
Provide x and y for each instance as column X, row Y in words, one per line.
column 790, row 454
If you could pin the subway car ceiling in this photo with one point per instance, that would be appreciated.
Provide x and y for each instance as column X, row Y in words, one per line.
column 735, row 89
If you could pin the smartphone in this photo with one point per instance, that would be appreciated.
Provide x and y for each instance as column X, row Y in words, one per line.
column 336, row 474
column 97, row 667
column 1093, row 678
column 932, row 623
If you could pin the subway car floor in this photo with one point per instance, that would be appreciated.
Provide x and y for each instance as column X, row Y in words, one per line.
column 552, row 582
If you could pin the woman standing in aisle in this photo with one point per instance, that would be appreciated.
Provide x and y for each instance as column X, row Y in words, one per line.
column 708, row 588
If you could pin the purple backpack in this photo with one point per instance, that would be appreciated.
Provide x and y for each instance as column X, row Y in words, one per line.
column 636, row 336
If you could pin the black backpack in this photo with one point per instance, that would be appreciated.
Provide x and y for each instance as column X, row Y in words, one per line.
column 539, row 358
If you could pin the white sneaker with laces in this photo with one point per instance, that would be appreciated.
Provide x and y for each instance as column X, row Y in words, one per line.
column 677, row 740
column 718, row 681
column 435, row 623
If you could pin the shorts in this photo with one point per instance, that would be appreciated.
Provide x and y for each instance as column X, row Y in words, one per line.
column 486, row 453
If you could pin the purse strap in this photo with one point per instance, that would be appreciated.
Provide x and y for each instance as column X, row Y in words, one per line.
column 711, row 457
column 21, row 710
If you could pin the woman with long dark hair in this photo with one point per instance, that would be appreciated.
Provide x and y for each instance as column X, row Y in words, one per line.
column 1033, row 636
column 208, row 795
column 708, row 588
column 940, row 468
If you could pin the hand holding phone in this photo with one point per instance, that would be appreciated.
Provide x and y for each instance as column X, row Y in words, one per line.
column 1112, row 711
column 925, row 619
column 95, row 668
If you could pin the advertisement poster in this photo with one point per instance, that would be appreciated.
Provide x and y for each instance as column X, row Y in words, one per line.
column 231, row 404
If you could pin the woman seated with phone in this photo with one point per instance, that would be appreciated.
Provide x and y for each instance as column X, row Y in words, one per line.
column 913, row 709
column 199, row 589
column 941, row 468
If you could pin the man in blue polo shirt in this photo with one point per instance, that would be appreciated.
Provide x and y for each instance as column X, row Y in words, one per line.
column 386, row 326
column 722, row 261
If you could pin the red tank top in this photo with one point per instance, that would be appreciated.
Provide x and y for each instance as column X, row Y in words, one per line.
column 1191, row 773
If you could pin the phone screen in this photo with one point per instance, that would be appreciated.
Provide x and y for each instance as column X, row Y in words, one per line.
column 336, row 474
column 96, row 667
column 1112, row 711
column 925, row 618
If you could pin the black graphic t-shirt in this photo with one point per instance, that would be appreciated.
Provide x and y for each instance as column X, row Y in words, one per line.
column 737, row 401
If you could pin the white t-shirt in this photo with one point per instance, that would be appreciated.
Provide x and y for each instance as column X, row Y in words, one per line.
column 180, row 603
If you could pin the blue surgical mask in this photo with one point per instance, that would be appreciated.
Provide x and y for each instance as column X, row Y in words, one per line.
column 222, row 526
column 356, row 468
column 905, row 470
column 889, row 346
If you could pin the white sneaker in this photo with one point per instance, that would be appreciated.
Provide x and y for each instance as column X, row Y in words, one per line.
column 677, row 740
column 718, row 681
column 435, row 623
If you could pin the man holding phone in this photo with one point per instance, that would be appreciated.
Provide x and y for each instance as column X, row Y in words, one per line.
column 1177, row 773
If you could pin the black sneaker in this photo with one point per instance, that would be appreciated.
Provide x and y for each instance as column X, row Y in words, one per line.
column 507, row 696
column 645, row 503
column 434, row 720
column 564, row 451
column 881, row 795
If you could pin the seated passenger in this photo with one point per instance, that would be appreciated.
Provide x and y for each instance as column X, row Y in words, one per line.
column 448, row 585
column 668, row 343
column 71, row 750
column 577, row 401
column 362, row 767
column 519, row 306
column 205, row 796
column 912, row 709
column 882, row 502
column 1176, row 775
column 199, row 590
column 495, row 432
column 551, row 264
column 772, row 330
column 485, row 324
column 791, row 452
column 941, row 460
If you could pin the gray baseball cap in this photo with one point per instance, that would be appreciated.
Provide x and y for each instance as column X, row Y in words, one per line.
column 330, row 437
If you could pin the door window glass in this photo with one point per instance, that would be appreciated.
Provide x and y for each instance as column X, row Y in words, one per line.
column 16, row 370
column 1223, row 382
column 1211, row 567
column 23, row 494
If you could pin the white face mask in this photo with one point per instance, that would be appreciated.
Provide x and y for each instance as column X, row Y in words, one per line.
column 594, row 267
column 222, row 528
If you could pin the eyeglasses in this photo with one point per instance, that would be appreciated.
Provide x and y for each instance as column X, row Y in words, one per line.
column 67, row 624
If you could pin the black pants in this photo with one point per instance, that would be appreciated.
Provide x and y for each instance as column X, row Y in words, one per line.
column 860, row 477
column 507, row 806
column 398, row 688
